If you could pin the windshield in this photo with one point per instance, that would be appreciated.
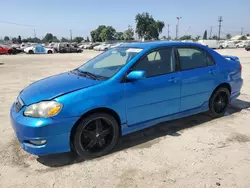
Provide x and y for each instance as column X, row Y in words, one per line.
column 110, row 62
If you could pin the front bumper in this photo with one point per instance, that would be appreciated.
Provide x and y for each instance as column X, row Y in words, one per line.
column 56, row 132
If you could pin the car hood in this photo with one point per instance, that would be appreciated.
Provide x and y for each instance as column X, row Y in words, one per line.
column 51, row 87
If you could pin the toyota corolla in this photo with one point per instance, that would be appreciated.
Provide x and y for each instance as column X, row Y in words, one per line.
column 120, row 91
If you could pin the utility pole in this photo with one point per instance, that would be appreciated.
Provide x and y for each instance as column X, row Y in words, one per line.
column 70, row 31
column 220, row 20
column 177, row 27
column 211, row 30
column 168, row 31
column 34, row 33
column 242, row 31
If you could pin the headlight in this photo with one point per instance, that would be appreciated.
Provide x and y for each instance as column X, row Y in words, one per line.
column 43, row 109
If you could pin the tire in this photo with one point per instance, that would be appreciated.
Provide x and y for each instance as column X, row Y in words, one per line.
column 49, row 52
column 88, row 142
column 105, row 49
column 219, row 102
column 10, row 52
column 31, row 52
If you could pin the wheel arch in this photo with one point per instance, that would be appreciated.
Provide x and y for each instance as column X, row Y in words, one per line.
column 225, row 85
column 96, row 110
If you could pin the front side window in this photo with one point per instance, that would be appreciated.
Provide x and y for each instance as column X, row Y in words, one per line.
column 110, row 62
column 191, row 58
column 156, row 63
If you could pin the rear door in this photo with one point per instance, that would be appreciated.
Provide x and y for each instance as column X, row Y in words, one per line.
column 198, row 73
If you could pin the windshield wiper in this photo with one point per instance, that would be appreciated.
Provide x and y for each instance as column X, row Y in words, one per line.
column 87, row 74
column 90, row 75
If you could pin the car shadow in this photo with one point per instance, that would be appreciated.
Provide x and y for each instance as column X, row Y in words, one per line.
column 143, row 138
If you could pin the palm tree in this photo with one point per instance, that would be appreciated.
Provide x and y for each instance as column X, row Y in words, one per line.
column 229, row 36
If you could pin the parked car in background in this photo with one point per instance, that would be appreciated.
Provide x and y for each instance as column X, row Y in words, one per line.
column 25, row 45
column 214, row 44
column 228, row 44
column 247, row 48
column 102, row 47
column 116, row 45
column 87, row 46
column 123, row 90
column 68, row 48
column 38, row 49
column 97, row 47
column 6, row 50
column 16, row 48
column 94, row 45
column 242, row 44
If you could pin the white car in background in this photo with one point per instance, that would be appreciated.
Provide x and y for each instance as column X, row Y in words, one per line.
column 102, row 47
column 87, row 46
column 242, row 44
column 214, row 44
column 25, row 45
column 98, row 47
column 116, row 45
column 38, row 49
column 229, row 44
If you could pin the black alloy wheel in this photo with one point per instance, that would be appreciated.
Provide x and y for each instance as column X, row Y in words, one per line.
column 96, row 135
column 219, row 102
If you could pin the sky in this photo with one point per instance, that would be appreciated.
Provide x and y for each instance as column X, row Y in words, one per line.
column 82, row 16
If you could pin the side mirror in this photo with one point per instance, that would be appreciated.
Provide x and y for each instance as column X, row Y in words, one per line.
column 136, row 75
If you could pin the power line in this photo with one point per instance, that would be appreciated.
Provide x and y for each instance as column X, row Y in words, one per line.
column 220, row 20
column 187, row 30
column 13, row 23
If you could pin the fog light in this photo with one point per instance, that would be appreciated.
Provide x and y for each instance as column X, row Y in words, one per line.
column 37, row 142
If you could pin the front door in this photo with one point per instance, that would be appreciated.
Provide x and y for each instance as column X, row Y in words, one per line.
column 159, row 94
column 198, row 77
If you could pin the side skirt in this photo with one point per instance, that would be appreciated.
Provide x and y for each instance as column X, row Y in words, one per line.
column 136, row 127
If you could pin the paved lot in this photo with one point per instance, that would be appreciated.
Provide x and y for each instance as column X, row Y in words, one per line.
column 192, row 152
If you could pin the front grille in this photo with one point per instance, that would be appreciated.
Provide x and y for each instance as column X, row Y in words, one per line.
column 18, row 104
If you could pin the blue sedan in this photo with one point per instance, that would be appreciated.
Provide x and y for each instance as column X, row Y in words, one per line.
column 120, row 91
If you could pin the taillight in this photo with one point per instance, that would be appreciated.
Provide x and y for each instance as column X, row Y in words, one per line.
column 240, row 68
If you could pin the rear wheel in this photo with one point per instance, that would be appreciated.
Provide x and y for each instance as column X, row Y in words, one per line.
column 95, row 135
column 219, row 102
column 49, row 52
column 31, row 52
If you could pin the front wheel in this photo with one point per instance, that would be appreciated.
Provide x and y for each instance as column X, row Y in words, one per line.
column 10, row 52
column 95, row 135
column 219, row 102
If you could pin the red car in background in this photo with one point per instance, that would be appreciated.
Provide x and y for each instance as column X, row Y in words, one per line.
column 6, row 50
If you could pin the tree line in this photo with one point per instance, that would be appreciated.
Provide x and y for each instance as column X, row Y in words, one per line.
column 147, row 28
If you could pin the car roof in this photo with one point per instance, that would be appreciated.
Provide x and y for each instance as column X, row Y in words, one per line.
column 156, row 44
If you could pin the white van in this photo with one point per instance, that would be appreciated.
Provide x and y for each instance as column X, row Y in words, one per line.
column 214, row 44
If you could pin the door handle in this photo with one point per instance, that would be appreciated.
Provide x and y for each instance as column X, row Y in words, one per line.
column 173, row 80
column 212, row 72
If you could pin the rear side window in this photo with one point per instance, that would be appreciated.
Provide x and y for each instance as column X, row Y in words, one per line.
column 191, row 58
